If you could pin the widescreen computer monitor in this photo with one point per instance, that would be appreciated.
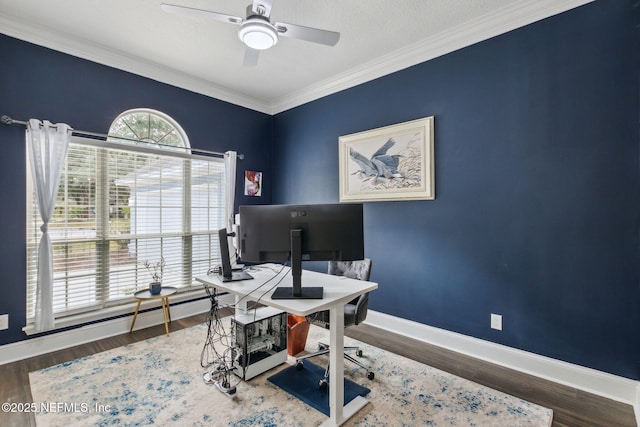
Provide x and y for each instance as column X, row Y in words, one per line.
column 296, row 233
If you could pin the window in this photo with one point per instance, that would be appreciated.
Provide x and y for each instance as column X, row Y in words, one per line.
column 123, row 202
column 150, row 127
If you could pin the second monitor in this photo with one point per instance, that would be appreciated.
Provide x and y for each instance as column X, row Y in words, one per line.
column 296, row 233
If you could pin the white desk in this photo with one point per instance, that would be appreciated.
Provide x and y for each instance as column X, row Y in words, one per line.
column 337, row 292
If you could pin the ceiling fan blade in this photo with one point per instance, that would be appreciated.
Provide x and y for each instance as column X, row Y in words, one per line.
column 262, row 7
column 251, row 57
column 315, row 35
column 200, row 13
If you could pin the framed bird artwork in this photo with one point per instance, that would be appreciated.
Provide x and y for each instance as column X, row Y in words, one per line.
column 389, row 163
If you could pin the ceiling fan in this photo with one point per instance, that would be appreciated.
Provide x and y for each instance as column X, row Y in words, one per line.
column 256, row 30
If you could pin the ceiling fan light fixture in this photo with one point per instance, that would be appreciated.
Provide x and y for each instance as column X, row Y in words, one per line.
column 257, row 34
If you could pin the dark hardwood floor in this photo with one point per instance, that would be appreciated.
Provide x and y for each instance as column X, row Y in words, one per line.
column 571, row 407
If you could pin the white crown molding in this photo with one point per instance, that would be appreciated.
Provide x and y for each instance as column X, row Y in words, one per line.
column 593, row 381
column 506, row 19
column 122, row 61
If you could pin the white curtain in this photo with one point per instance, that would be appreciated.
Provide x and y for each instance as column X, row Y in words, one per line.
column 47, row 145
column 230, row 160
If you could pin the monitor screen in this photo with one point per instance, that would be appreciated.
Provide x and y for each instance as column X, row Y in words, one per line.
column 296, row 233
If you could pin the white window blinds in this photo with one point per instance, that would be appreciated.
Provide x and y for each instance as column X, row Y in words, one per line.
column 119, row 206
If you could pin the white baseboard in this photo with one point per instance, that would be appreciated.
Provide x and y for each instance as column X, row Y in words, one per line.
column 636, row 406
column 601, row 383
column 61, row 340
column 590, row 380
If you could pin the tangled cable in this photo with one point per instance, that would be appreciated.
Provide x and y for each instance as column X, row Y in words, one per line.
column 219, row 365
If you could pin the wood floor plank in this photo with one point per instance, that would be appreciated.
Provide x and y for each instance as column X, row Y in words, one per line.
column 571, row 407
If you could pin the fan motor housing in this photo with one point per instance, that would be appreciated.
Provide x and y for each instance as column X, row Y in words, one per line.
column 258, row 33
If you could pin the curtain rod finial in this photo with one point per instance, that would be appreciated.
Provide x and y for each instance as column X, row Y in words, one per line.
column 6, row 120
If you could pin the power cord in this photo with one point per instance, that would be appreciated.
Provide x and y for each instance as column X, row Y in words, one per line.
column 219, row 365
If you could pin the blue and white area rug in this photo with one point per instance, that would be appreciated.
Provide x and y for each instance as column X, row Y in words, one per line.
column 159, row 382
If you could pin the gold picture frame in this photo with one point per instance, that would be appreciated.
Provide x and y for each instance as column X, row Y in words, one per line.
column 389, row 163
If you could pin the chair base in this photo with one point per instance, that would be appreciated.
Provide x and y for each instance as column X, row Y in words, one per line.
column 324, row 349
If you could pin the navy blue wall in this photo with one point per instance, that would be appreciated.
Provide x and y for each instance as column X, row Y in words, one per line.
column 36, row 82
column 537, row 177
column 537, row 187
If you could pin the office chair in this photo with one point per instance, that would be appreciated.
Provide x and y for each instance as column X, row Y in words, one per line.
column 355, row 312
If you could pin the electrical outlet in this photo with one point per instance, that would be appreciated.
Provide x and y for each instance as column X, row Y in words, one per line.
column 496, row 321
column 4, row 322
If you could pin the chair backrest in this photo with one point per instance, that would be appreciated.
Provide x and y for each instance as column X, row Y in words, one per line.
column 361, row 270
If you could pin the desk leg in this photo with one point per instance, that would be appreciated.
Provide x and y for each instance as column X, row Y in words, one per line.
column 165, row 308
column 336, row 361
column 133, row 322
column 339, row 412
column 241, row 304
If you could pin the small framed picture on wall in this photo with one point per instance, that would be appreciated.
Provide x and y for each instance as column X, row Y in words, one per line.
column 252, row 183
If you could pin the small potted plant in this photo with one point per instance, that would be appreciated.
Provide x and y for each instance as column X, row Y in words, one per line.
column 155, row 269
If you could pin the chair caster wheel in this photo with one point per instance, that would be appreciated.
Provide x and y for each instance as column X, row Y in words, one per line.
column 359, row 353
column 322, row 385
column 299, row 365
column 371, row 375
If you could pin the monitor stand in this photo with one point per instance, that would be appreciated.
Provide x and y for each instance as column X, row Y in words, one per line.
column 297, row 291
column 308, row 292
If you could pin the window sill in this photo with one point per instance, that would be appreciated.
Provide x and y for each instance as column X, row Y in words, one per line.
column 111, row 312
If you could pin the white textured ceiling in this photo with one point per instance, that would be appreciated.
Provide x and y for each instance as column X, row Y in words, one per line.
column 376, row 37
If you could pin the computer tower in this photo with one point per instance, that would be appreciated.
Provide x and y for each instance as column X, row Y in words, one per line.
column 259, row 341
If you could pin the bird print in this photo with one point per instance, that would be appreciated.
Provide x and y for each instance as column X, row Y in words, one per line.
column 380, row 166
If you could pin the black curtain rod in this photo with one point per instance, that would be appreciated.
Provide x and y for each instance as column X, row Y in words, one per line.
column 9, row 121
